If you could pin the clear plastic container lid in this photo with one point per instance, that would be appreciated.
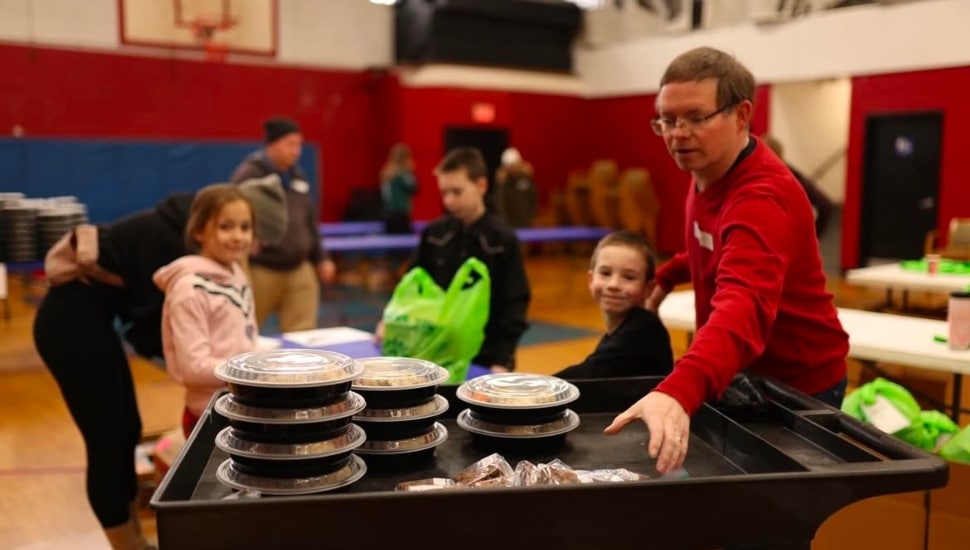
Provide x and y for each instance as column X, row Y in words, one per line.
column 229, row 442
column 517, row 391
column 289, row 368
column 351, row 404
column 435, row 407
column 437, row 436
column 228, row 475
column 398, row 373
column 567, row 423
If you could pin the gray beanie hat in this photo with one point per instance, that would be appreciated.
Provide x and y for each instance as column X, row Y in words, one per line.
column 268, row 198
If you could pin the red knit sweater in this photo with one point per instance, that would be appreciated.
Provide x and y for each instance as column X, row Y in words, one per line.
column 759, row 287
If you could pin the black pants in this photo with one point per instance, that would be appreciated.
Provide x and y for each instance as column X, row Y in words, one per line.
column 397, row 222
column 75, row 336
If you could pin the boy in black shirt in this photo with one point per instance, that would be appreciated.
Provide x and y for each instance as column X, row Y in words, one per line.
column 636, row 343
column 465, row 231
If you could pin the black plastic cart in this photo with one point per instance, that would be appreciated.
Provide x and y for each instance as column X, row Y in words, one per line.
column 767, row 478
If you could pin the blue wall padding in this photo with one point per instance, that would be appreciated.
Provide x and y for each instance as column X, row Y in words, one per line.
column 114, row 177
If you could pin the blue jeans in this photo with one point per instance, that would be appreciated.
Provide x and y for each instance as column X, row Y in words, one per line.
column 834, row 395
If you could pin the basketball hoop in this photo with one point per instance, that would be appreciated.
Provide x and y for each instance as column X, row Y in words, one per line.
column 204, row 29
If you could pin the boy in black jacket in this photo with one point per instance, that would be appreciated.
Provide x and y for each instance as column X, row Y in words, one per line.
column 636, row 343
column 466, row 231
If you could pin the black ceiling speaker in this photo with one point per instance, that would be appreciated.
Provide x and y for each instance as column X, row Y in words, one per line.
column 522, row 34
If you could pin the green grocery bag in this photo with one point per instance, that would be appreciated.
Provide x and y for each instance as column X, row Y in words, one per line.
column 957, row 448
column 446, row 327
column 884, row 404
column 928, row 430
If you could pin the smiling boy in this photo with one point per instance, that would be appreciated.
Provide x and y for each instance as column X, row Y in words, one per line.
column 636, row 343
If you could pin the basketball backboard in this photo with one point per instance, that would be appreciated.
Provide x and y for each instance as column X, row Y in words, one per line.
column 236, row 26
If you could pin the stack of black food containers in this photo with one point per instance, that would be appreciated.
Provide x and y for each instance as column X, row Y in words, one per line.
column 517, row 411
column 290, row 430
column 402, row 405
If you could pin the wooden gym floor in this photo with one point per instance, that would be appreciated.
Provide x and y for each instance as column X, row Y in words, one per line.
column 43, row 503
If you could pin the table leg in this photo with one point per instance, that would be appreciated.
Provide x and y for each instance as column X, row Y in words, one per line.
column 905, row 304
column 957, row 396
column 4, row 294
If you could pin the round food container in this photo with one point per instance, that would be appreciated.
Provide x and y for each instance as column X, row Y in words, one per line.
column 398, row 382
column 396, row 424
column 310, row 467
column 390, row 431
column 567, row 422
column 518, row 398
column 235, row 444
column 405, row 452
column 518, row 438
column 429, row 409
column 306, row 425
column 291, row 378
column 228, row 473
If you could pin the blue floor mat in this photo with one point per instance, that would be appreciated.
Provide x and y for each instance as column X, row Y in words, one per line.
column 352, row 307
column 540, row 332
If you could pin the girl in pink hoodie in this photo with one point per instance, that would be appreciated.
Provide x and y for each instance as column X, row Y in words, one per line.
column 208, row 315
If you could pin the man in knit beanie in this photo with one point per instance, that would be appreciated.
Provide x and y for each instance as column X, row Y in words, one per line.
column 285, row 274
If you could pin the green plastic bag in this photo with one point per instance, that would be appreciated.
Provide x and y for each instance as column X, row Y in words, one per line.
column 923, row 429
column 446, row 327
column 957, row 448
column 927, row 429
column 867, row 394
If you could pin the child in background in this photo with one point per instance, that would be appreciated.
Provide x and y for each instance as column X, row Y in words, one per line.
column 208, row 315
column 398, row 186
column 636, row 343
column 467, row 230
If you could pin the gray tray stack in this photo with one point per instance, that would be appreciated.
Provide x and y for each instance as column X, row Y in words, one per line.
column 30, row 227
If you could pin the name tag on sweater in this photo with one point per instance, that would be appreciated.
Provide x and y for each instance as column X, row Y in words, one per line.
column 705, row 239
column 300, row 186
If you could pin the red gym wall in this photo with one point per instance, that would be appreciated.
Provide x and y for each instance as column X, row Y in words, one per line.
column 356, row 116
column 60, row 93
column 943, row 90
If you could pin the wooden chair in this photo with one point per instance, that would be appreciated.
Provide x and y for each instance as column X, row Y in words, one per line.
column 639, row 208
column 577, row 199
column 957, row 243
column 603, row 193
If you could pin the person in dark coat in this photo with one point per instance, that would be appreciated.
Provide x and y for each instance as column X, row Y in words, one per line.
column 82, row 326
column 821, row 203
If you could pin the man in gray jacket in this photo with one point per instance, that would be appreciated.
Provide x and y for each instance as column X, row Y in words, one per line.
column 285, row 275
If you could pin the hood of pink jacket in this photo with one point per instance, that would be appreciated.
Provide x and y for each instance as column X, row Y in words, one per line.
column 166, row 276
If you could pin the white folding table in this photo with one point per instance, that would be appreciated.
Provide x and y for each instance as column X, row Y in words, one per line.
column 893, row 276
column 873, row 336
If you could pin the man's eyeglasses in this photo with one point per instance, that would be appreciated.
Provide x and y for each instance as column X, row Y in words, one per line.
column 689, row 124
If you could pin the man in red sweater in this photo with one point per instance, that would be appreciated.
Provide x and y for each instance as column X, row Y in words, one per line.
column 752, row 256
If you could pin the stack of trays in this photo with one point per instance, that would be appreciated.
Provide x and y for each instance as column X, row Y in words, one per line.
column 402, row 404
column 53, row 223
column 29, row 227
column 18, row 231
column 290, row 430
column 518, row 411
column 6, row 200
